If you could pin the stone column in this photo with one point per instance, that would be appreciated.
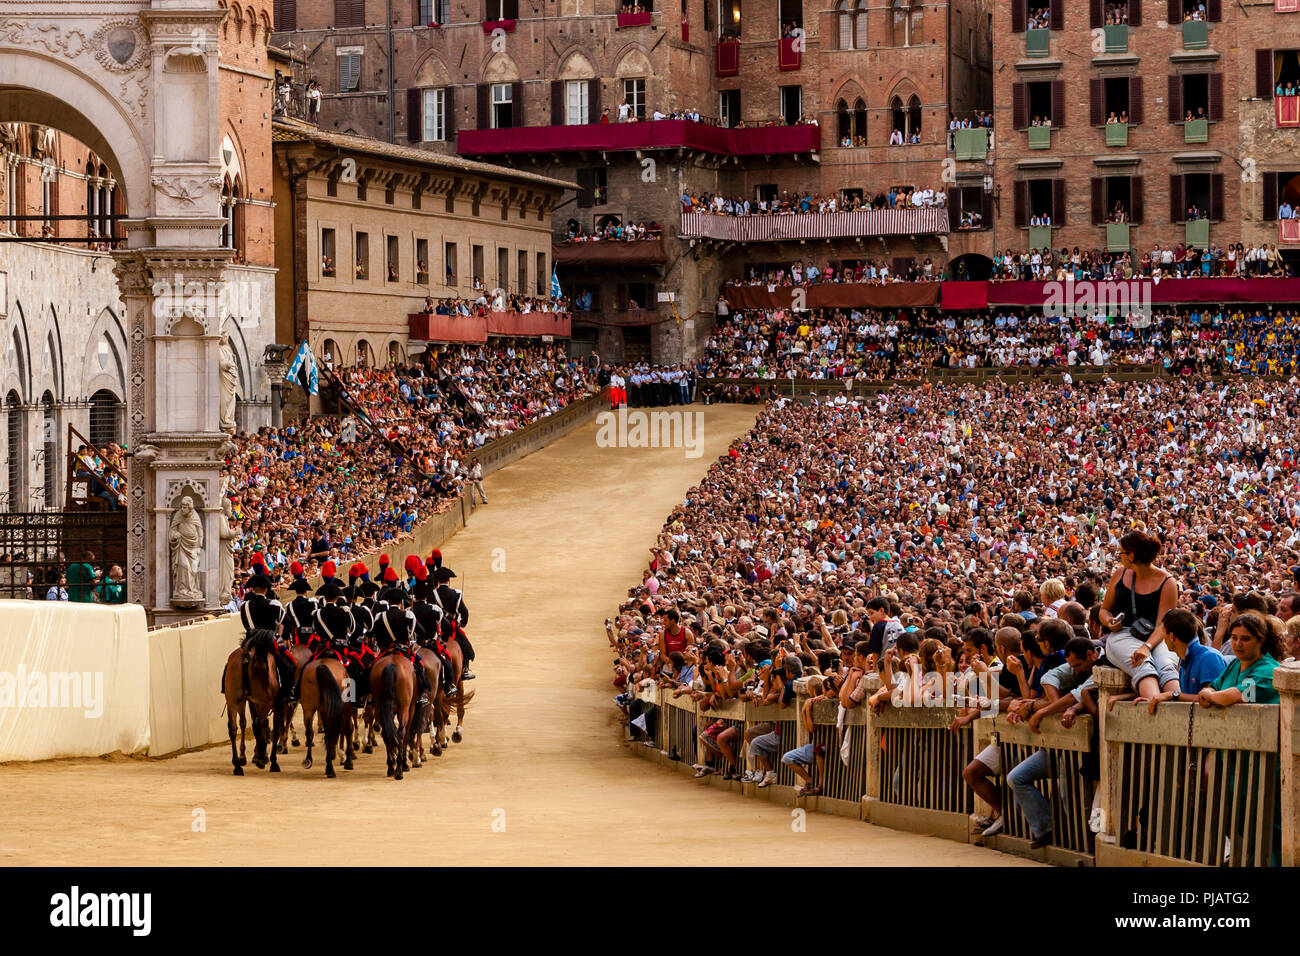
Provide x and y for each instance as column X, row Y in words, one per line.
column 1110, row 682
column 172, row 302
column 1286, row 680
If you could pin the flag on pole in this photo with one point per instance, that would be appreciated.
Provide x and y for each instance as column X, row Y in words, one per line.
column 303, row 369
column 555, row 285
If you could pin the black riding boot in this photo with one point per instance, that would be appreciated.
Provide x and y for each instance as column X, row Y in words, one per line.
column 467, row 651
column 285, row 667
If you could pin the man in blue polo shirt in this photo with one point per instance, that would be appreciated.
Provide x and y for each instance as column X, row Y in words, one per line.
column 1198, row 665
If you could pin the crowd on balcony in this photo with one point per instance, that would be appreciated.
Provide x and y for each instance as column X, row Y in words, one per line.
column 874, row 345
column 1179, row 261
column 615, row 231
column 1013, row 537
column 1195, row 12
column 337, row 487
column 1287, row 211
column 104, row 472
column 1116, row 14
column 1039, row 19
column 1288, row 89
column 499, row 301
column 869, row 271
column 896, row 197
column 979, row 119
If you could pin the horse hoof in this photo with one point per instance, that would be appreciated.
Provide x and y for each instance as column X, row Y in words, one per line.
column 329, row 771
column 239, row 771
column 390, row 771
column 259, row 764
column 437, row 751
column 275, row 768
column 243, row 760
column 456, row 737
column 347, row 765
column 283, row 749
column 367, row 750
column 296, row 742
column 306, row 764
column 397, row 775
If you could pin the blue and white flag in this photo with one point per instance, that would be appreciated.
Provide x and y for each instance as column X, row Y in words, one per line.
column 303, row 369
column 555, row 285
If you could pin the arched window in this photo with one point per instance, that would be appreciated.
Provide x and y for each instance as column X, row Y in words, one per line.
column 860, row 24
column 916, row 24
column 330, row 352
column 104, row 203
column 914, row 119
column 859, row 121
column 394, row 354
column 92, row 202
column 17, row 449
column 898, row 115
column 50, row 449
column 843, row 123
column 844, row 20
column 905, row 22
column 104, row 408
column 233, row 214
column 364, row 355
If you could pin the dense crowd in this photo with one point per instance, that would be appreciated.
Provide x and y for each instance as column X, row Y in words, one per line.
column 614, row 231
column 1179, row 261
column 336, row 487
column 498, row 301
column 873, row 344
column 896, row 197
column 1009, row 535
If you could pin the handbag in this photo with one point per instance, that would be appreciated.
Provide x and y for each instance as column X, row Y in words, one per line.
column 1141, row 628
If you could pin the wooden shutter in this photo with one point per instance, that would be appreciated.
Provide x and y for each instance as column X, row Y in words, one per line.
column 1214, row 10
column 286, row 15
column 586, row 184
column 484, row 94
column 1135, row 13
column 358, row 13
column 986, row 210
column 557, row 103
column 1270, row 196
column 1135, row 100
column 414, row 115
column 1175, row 99
column 593, row 100
column 1175, row 14
column 1216, row 196
column 1264, row 74
column 1019, row 15
column 954, row 201
column 1019, row 105
column 1177, row 209
column 1098, row 201
column 1216, row 96
column 1094, row 14
column 1058, row 103
column 1096, row 107
column 449, row 112
column 1058, row 202
column 1022, row 203
column 1137, row 207
column 902, row 264
column 342, row 13
column 1056, row 16
column 517, row 104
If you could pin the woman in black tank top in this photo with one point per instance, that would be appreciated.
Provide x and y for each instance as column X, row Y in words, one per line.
column 1140, row 591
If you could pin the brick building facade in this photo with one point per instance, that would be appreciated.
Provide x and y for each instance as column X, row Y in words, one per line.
column 467, row 77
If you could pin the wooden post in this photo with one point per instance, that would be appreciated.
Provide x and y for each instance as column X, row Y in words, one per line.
column 872, row 730
column 1286, row 680
column 1110, row 682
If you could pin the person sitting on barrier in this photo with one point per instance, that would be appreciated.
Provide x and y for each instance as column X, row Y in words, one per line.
column 802, row 760
column 1068, row 691
column 1199, row 665
column 1133, row 611
column 1248, row 678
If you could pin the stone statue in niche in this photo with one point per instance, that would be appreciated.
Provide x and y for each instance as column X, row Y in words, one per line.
column 229, row 371
column 226, row 533
column 185, row 539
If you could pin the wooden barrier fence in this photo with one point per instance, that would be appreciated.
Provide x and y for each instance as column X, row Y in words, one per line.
column 1185, row 786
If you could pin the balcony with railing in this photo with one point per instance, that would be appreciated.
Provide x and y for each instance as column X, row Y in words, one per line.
column 654, row 134
column 612, row 253
column 927, row 220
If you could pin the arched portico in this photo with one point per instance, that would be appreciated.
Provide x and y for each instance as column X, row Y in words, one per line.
column 141, row 90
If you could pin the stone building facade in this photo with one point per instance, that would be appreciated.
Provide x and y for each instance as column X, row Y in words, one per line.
column 495, row 79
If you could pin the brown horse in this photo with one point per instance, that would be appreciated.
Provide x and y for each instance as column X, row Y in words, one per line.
column 460, row 698
column 392, row 685
column 301, row 654
column 322, row 691
column 433, row 716
column 250, row 679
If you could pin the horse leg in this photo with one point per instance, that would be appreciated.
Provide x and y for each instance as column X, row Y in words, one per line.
column 259, row 738
column 307, row 715
column 349, row 732
column 456, row 735
column 234, row 749
column 243, row 731
column 369, row 746
column 331, row 741
column 277, row 735
column 293, row 731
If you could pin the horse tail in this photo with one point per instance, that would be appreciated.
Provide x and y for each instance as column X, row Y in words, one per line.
column 331, row 701
column 388, row 707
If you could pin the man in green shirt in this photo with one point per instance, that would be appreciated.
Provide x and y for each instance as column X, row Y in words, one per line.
column 81, row 579
column 111, row 590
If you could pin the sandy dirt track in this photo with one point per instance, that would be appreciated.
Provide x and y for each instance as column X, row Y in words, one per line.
column 541, row 749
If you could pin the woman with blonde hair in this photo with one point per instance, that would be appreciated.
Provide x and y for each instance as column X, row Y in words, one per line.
column 1053, row 596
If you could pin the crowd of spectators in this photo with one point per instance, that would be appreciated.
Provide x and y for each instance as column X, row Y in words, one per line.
column 336, row 487
column 877, row 345
column 1006, row 535
column 1179, row 261
column 615, row 231
column 104, row 474
column 85, row 581
column 498, row 301
column 896, row 197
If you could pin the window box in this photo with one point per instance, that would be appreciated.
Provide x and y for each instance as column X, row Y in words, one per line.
column 1040, row 137
column 1196, row 131
column 1196, row 35
column 633, row 19
column 1117, row 237
column 1038, row 42
column 1198, row 234
column 971, row 143
column 490, row 25
column 1040, row 237
column 1117, row 134
column 1116, row 38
